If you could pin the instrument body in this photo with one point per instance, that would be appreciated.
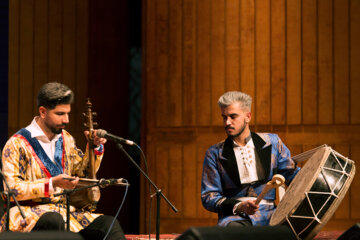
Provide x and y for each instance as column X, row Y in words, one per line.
column 315, row 193
column 88, row 198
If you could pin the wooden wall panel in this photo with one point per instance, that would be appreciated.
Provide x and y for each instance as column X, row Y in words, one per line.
column 176, row 63
column 296, row 58
column 55, row 55
column 354, row 59
column 69, row 46
column 162, row 63
column 247, row 46
column 191, row 181
column 176, row 172
column 47, row 42
column 14, row 73
column 325, row 65
column 81, row 56
column 203, row 65
column 217, row 57
column 262, row 67
column 341, row 61
column 188, row 76
column 293, row 62
column 309, row 62
column 26, row 61
column 277, row 45
column 41, row 36
column 232, row 44
column 149, row 61
column 162, row 172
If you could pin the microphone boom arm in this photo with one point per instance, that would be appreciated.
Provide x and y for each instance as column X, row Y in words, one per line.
column 147, row 177
column 158, row 191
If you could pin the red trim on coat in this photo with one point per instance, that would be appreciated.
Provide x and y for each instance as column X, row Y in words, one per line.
column 63, row 153
column 46, row 190
column 37, row 159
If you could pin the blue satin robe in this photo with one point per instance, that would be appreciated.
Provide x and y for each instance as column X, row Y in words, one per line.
column 221, row 184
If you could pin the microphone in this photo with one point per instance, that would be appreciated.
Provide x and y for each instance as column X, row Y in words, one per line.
column 104, row 182
column 113, row 181
column 104, row 134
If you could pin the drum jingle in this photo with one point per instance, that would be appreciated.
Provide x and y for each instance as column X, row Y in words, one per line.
column 315, row 193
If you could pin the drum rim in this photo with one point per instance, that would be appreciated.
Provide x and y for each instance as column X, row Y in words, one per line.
column 306, row 188
column 334, row 205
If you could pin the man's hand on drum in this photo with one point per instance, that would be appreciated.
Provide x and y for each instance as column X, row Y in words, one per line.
column 65, row 181
column 97, row 140
column 249, row 207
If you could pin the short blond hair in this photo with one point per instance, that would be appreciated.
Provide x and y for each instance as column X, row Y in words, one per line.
column 231, row 97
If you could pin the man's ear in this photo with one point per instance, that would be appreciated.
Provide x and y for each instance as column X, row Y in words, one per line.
column 42, row 111
column 248, row 117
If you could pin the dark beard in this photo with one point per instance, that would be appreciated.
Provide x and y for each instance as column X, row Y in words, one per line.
column 240, row 132
column 56, row 131
column 53, row 129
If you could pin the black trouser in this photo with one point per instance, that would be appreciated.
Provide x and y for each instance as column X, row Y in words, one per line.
column 240, row 223
column 53, row 221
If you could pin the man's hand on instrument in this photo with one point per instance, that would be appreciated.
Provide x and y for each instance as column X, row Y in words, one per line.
column 249, row 207
column 97, row 140
column 65, row 181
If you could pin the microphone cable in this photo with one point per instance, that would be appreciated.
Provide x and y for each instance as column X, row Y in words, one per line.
column 150, row 203
column 121, row 205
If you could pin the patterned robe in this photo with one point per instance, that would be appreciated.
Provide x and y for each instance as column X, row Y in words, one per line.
column 221, row 184
column 27, row 169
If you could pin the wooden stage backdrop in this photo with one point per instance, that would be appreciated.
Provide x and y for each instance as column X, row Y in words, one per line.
column 299, row 59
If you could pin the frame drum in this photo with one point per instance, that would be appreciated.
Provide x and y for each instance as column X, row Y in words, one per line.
column 315, row 193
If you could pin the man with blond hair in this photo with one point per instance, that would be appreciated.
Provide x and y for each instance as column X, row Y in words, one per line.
column 236, row 170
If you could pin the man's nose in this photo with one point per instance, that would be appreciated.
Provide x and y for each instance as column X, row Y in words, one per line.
column 66, row 118
column 228, row 121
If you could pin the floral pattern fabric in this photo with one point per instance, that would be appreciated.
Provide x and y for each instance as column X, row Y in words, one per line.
column 28, row 177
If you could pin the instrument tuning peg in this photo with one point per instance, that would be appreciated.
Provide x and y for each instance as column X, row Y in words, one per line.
column 94, row 114
column 95, row 124
column 85, row 125
column 84, row 114
column 88, row 103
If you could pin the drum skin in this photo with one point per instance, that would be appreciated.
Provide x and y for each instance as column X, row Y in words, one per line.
column 315, row 193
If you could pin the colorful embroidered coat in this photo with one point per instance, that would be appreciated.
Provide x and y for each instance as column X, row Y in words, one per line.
column 221, row 184
column 28, row 169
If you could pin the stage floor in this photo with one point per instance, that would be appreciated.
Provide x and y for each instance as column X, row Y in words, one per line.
column 323, row 235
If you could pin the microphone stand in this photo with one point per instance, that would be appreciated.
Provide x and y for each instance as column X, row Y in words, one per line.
column 8, row 195
column 68, row 192
column 158, row 191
